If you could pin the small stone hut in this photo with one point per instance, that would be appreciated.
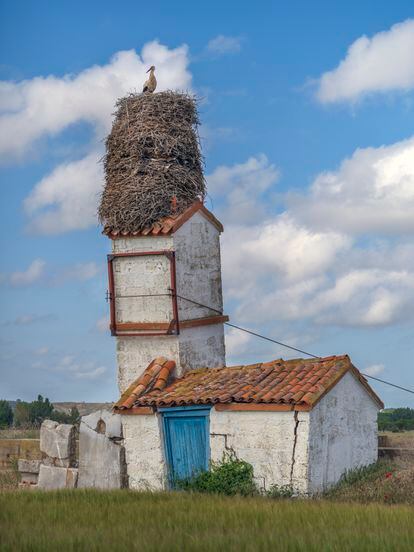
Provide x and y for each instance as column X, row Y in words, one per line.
column 299, row 422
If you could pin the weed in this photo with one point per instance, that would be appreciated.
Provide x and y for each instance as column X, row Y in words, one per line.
column 230, row 477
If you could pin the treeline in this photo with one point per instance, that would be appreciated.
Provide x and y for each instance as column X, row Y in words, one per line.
column 396, row 419
column 32, row 414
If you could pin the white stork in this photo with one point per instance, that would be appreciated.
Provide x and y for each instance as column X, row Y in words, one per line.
column 151, row 84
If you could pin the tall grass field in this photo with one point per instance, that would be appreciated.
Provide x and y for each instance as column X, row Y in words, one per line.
column 125, row 520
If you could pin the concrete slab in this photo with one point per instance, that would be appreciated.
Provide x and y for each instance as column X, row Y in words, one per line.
column 58, row 442
column 28, row 466
column 104, row 421
column 101, row 460
column 51, row 477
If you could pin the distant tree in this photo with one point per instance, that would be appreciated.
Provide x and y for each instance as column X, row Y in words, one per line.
column 396, row 419
column 40, row 410
column 75, row 415
column 22, row 414
column 72, row 417
column 6, row 414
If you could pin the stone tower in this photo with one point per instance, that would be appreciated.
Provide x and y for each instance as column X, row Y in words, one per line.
column 159, row 279
column 164, row 270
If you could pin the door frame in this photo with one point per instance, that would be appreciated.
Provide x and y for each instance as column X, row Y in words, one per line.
column 181, row 412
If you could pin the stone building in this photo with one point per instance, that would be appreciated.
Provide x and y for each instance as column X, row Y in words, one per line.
column 298, row 422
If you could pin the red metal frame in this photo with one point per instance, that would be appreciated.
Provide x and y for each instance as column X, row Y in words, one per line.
column 174, row 328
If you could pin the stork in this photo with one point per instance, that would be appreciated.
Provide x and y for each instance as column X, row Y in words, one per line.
column 151, row 84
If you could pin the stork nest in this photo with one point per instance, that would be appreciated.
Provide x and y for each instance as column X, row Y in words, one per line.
column 153, row 164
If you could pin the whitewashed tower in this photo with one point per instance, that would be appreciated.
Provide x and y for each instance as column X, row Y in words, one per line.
column 164, row 272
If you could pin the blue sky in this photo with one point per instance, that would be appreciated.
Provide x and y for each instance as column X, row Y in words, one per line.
column 307, row 130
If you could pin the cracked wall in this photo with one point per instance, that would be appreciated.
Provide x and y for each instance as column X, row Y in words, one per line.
column 343, row 433
column 198, row 271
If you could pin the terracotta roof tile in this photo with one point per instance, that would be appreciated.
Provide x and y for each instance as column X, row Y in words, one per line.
column 167, row 225
column 155, row 377
column 299, row 383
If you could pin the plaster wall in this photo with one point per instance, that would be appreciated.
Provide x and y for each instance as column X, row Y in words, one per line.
column 134, row 354
column 274, row 443
column 197, row 247
column 343, row 433
column 144, row 452
column 198, row 275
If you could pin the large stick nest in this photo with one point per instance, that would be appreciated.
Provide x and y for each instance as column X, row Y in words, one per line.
column 153, row 163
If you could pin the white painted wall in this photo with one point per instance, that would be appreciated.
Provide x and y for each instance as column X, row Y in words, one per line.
column 264, row 439
column 144, row 452
column 197, row 247
column 198, row 270
column 308, row 450
column 274, row 443
column 343, row 433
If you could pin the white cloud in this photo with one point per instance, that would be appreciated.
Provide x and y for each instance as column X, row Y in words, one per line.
column 237, row 342
column 93, row 374
column 41, row 351
column 67, row 198
column 102, row 324
column 79, row 271
column 36, row 273
column 44, row 106
column 79, row 369
column 318, row 260
column 374, row 370
column 33, row 274
column 222, row 45
column 371, row 192
column 241, row 188
column 382, row 63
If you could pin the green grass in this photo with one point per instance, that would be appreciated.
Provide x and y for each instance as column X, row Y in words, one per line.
column 126, row 520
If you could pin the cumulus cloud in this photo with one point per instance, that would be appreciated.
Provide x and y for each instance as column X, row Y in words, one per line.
column 78, row 272
column 102, row 324
column 374, row 370
column 240, row 188
column 27, row 319
column 32, row 274
column 37, row 273
column 67, row 198
column 371, row 192
column 223, row 45
column 79, row 369
column 321, row 260
column 45, row 106
column 382, row 63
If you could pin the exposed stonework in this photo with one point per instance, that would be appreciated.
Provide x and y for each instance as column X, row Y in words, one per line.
column 52, row 477
column 101, row 453
column 29, row 471
column 58, row 442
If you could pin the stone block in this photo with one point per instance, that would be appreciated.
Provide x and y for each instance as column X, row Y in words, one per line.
column 104, row 422
column 28, row 466
column 58, row 442
column 28, row 478
column 51, row 477
column 101, row 458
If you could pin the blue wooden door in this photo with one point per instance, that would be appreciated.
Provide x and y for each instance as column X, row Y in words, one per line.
column 186, row 439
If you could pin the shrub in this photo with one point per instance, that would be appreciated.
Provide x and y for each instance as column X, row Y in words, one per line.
column 230, row 477
column 280, row 491
column 6, row 414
